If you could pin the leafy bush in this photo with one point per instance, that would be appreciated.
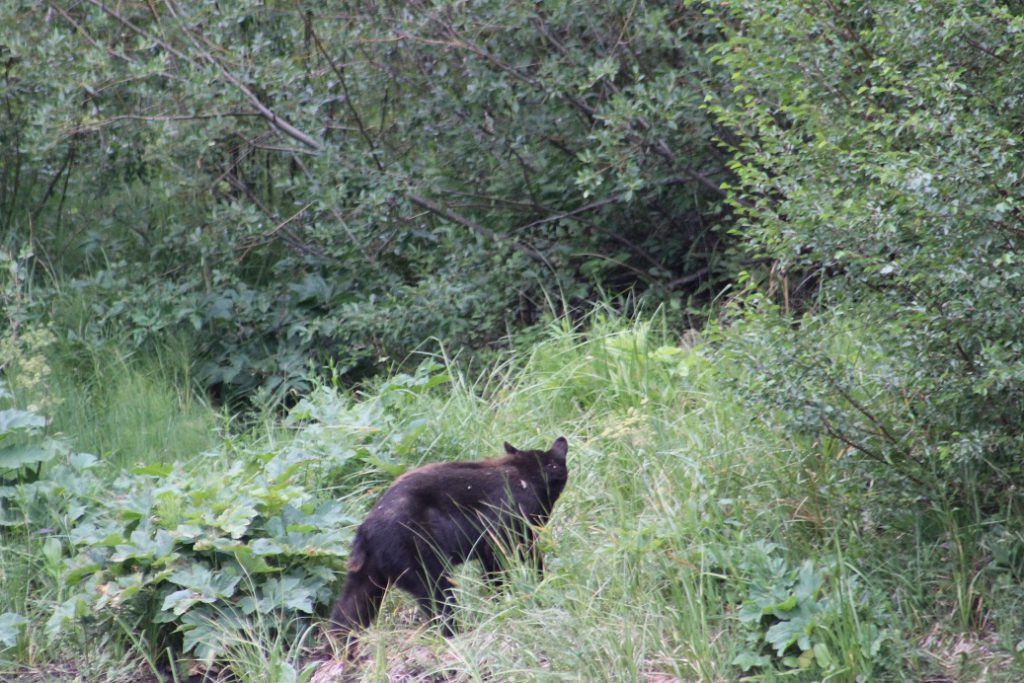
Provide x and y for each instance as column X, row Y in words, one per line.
column 792, row 615
column 22, row 453
column 194, row 555
column 874, row 148
column 37, row 506
column 187, row 552
column 316, row 187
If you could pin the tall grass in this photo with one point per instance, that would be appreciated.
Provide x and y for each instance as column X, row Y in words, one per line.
column 665, row 463
column 132, row 407
column 684, row 506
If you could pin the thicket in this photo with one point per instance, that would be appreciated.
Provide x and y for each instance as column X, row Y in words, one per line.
column 670, row 555
column 298, row 183
column 878, row 155
column 261, row 199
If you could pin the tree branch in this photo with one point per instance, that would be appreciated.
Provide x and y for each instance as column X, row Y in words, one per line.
column 263, row 110
column 611, row 199
column 833, row 431
column 85, row 34
column 82, row 128
column 340, row 73
column 459, row 219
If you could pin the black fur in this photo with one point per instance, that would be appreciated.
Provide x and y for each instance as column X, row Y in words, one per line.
column 444, row 514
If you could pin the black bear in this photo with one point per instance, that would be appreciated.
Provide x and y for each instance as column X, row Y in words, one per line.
column 440, row 515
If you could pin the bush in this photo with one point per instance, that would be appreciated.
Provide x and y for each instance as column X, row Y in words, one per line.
column 192, row 556
column 436, row 170
column 875, row 149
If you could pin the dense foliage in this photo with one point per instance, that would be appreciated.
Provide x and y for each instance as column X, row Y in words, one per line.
column 757, row 260
column 877, row 149
column 347, row 180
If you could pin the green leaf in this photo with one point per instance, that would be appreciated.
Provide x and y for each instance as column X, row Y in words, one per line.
column 13, row 457
column 236, row 519
column 785, row 606
column 10, row 627
column 142, row 547
column 204, row 635
column 750, row 612
column 281, row 468
column 155, row 470
column 75, row 575
column 200, row 579
column 247, row 559
column 787, row 632
column 83, row 461
column 122, row 589
column 286, row 593
column 808, row 584
column 181, row 601
column 199, row 585
column 19, row 420
column 53, row 551
column 822, row 656
column 266, row 546
column 68, row 611
column 747, row 660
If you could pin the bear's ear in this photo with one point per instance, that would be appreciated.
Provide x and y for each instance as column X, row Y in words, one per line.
column 560, row 448
column 510, row 449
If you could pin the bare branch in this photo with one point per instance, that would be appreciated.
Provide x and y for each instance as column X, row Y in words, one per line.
column 459, row 219
column 339, row 71
column 273, row 119
column 687, row 279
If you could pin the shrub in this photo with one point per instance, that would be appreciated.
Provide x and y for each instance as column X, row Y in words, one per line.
column 191, row 556
column 874, row 145
column 436, row 170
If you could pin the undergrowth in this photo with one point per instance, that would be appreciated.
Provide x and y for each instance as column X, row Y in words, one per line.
column 698, row 538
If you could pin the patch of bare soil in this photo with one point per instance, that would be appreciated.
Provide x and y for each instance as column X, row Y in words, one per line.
column 413, row 664
column 72, row 672
column 967, row 657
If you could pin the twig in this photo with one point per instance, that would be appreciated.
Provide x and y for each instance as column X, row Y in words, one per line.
column 270, row 233
column 68, row 158
column 978, row 46
column 459, row 219
column 687, row 279
column 340, row 73
column 81, row 29
column 273, row 119
column 611, row 199
column 82, row 128
column 836, row 433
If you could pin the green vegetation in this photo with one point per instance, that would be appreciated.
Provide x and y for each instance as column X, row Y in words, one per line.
column 697, row 538
column 757, row 261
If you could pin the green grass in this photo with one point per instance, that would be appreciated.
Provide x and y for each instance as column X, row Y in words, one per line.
column 666, row 466
column 133, row 408
column 685, row 506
